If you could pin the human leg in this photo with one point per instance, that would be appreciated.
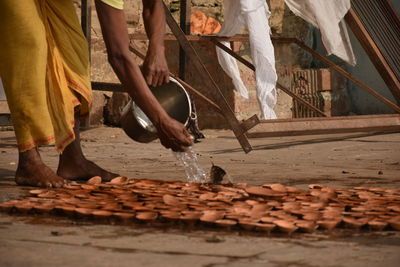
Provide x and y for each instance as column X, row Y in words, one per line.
column 23, row 57
column 74, row 165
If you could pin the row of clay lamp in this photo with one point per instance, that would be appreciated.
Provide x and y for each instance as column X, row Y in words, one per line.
column 271, row 207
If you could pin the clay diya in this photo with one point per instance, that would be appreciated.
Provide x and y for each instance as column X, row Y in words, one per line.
column 377, row 225
column 276, row 187
column 170, row 215
column 94, row 180
column 215, row 204
column 211, row 215
column 268, row 220
column 306, row 226
column 83, row 212
column 292, row 189
column 101, row 214
column 146, row 216
column 260, row 208
column 72, row 186
column 286, row 226
column 47, row 194
column 291, row 206
column 111, row 207
column 317, row 205
column 353, row 223
column 67, row 210
column 6, row 206
column 87, row 205
column 315, row 186
column 118, row 180
column 242, row 210
column 124, row 217
column 23, row 207
column 248, row 224
column 275, row 204
column 36, row 192
column 265, row 227
column 260, row 191
column 89, row 187
column 311, row 216
column 395, row 208
column 171, row 200
column 225, row 223
column 328, row 224
column 190, row 218
column 395, row 223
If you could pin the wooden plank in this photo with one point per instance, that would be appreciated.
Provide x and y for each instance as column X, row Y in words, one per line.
column 374, row 53
column 191, row 53
column 110, row 87
column 171, row 37
column 331, row 125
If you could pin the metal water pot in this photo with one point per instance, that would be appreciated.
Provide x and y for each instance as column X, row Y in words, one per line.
column 172, row 97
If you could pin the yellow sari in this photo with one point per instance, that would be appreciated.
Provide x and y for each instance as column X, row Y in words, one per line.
column 44, row 65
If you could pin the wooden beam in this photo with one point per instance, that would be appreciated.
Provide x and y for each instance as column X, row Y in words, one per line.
column 374, row 53
column 86, row 21
column 331, row 125
column 185, row 9
column 4, row 107
column 219, row 98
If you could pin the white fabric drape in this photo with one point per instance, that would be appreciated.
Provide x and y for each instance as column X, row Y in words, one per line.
column 327, row 16
column 254, row 14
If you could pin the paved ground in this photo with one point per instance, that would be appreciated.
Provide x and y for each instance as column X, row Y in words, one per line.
column 335, row 160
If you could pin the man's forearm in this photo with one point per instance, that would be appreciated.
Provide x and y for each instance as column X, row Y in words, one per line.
column 154, row 22
column 115, row 35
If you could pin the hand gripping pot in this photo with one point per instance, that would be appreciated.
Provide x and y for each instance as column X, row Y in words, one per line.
column 172, row 97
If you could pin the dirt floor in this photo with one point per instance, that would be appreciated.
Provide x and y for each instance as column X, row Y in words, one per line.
column 345, row 160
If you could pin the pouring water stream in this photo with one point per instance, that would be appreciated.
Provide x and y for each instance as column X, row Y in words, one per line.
column 188, row 160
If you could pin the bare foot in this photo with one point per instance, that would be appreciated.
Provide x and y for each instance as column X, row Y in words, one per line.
column 32, row 171
column 74, row 166
column 82, row 169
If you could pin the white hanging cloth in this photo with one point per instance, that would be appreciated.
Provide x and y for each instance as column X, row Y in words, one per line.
column 254, row 14
column 327, row 16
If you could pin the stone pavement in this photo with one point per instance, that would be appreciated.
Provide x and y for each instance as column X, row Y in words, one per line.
column 333, row 160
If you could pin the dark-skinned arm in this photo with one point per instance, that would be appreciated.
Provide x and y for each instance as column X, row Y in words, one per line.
column 155, row 68
column 172, row 133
